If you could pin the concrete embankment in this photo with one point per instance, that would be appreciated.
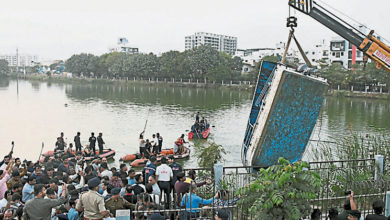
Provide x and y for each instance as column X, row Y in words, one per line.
column 176, row 83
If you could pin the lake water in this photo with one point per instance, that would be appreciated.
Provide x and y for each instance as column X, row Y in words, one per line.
column 34, row 112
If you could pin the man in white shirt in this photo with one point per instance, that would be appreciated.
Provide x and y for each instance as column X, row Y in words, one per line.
column 155, row 144
column 164, row 175
column 105, row 171
column 153, row 182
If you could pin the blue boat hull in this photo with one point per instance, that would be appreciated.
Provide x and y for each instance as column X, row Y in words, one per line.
column 285, row 109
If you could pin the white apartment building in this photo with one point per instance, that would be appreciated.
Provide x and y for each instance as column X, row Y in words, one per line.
column 319, row 54
column 20, row 60
column 343, row 52
column 252, row 56
column 224, row 43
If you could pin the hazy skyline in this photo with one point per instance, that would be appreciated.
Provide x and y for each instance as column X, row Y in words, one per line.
column 58, row 29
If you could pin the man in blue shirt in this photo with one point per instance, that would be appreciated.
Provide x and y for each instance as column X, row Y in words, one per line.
column 131, row 180
column 28, row 189
column 191, row 202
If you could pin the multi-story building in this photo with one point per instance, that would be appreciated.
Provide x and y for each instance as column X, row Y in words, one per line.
column 224, row 43
column 252, row 56
column 20, row 59
column 319, row 54
column 343, row 52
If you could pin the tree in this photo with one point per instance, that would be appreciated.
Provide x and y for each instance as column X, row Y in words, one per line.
column 281, row 191
column 172, row 64
column 209, row 155
column 201, row 60
column 82, row 64
column 4, row 69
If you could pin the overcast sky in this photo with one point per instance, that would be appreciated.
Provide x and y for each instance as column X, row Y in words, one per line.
column 56, row 29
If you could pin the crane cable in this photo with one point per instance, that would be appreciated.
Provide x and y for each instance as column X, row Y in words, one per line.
column 340, row 12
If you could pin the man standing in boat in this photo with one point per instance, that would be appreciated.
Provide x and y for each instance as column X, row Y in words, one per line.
column 100, row 143
column 154, row 143
column 77, row 142
column 160, row 141
column 92, row 142
column 197, row 117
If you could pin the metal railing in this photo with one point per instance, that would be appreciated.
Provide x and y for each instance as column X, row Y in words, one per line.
column 337, row 177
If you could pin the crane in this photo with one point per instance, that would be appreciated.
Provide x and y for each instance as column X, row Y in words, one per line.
column 370, row 45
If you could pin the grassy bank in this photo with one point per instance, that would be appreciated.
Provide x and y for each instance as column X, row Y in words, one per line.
column 356, row 94
column 61, row 79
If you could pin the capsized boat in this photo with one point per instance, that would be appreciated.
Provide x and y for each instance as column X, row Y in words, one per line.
column 285, row 108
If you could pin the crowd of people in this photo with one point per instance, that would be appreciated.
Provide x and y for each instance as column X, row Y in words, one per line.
column 67, row 187
column 350, row 211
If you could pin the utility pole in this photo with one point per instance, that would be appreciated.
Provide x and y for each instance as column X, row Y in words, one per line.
column 17, row 60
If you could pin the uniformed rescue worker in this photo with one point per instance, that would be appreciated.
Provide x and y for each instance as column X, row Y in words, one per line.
column 77, row 142
column 116, row 202
column 100, row 143
column 176, row 168
column 92, row 203
column 92, row 142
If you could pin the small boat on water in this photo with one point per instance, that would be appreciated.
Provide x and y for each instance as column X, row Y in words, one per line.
column 107, row 153
column 131, row 157
column 285, row 108
column 142, row 162
column 51, row 153
column 199, row 134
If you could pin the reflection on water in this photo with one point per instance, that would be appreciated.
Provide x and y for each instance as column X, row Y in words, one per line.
column 38, row 114
column 162, row 95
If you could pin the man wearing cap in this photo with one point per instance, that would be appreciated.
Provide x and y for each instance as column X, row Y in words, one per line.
column 91, row 202
column 116, row 202
column 39, row 207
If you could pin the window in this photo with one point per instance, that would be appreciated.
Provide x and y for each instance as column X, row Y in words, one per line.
column 342, row 54
column 333, row 54
column 313, row 53
column 338, row 55
column 337, row 46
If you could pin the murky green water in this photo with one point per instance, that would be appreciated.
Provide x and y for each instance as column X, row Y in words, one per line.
column 33, row 112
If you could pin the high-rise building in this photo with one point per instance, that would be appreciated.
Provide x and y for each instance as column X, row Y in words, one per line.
column 20, row 59
column 224, row 43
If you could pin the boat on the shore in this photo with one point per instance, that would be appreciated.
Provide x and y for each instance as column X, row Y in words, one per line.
column 285, row 108
column 142, row 161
